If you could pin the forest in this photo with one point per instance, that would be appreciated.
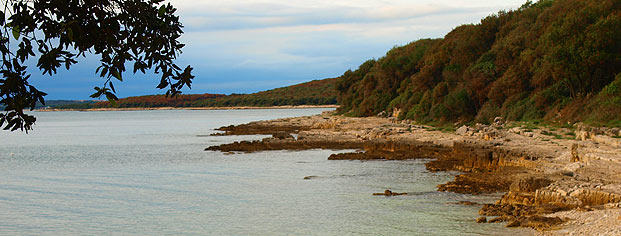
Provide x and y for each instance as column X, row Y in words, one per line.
column 556, row 61
column 316, row 92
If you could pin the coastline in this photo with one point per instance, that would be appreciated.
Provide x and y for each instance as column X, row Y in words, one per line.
column 191, row 108
column 556, row 186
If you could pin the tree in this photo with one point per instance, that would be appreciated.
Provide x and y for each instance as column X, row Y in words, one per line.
column 59, row 32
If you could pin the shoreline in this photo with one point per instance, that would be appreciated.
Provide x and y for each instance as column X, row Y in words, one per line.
column 191, row 108
column 548, row 184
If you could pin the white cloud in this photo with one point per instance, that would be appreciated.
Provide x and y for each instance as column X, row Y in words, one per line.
column 314, row 38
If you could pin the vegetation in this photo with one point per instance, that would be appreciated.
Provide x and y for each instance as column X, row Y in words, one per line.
column 58, row 32
column 316, row 92
column 554, row 61
column 55, row 103
column 145, row 101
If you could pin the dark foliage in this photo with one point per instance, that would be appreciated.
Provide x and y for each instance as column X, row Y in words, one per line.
column 316, row 92
column 152, row 101
column 553, row 60
column 58, row 32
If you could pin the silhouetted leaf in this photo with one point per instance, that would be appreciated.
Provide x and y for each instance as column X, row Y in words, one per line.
column 15, row 31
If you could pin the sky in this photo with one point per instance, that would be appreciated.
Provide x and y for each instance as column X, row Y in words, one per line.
column 246, row 46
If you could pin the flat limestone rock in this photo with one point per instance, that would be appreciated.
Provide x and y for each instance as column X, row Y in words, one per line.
column 389, row 193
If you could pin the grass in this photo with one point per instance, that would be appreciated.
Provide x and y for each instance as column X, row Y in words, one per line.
column 441, row 126
column 445, row 129
column 547, row 133
column 555, row 135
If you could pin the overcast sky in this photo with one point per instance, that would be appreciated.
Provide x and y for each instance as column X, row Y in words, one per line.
column 245, row 46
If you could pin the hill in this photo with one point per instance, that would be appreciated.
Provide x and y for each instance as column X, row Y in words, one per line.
column 558, row 61
column 57, row 103
column 316, row 92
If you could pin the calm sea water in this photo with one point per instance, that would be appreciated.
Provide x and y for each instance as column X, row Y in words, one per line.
column 145, row 173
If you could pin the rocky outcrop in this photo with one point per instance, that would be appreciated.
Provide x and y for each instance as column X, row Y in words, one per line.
column 575, row 195
column 523, row 191
column 521, row 215
column 394, row 150
column 373, row 155
column 473, row 157
column 270, row 144
column 389, row 193
column 484, row 132
column 259, row 128
column 540, row 172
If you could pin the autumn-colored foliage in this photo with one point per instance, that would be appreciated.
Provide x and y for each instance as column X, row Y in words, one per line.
column 316, row 92
column 553, row 60
column 157, row 101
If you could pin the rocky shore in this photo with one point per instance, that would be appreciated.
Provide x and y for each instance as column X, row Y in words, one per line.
column 555, row 180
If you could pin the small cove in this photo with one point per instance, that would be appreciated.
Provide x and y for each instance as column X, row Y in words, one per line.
column 145, row 172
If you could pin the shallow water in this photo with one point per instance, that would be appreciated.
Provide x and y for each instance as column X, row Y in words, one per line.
column 145, row 172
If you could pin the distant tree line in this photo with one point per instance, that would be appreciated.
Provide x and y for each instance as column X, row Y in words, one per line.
column 317, row 92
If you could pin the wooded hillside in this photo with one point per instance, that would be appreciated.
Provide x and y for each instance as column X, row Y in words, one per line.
column 554, row 60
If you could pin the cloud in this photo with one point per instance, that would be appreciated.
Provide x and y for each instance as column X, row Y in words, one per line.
column 215, row 15
column 312, row 39
column 252, row 45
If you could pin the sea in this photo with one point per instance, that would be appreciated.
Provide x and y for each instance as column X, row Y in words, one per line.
column 146, row 173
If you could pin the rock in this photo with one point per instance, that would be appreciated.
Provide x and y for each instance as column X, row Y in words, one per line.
column 612, row 206
column 515, row 130
column 573, row 167
column 462, row 130
column 265, row 127
column 514, row 223
column 468, row 203
column 529, row 184
column 482, row 219
column 536, row 222
column 389, row 193
column 282, row 135
column 575, row 157
column 276, row 144
column 583, row 135
column 499, row 121
column 567, row 173
column 396, row 112
column 498, row 219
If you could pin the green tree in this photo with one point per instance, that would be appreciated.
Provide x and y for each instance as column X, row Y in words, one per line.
column 144, row 33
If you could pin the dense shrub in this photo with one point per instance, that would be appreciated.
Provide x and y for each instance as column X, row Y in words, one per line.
column 556, row 60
